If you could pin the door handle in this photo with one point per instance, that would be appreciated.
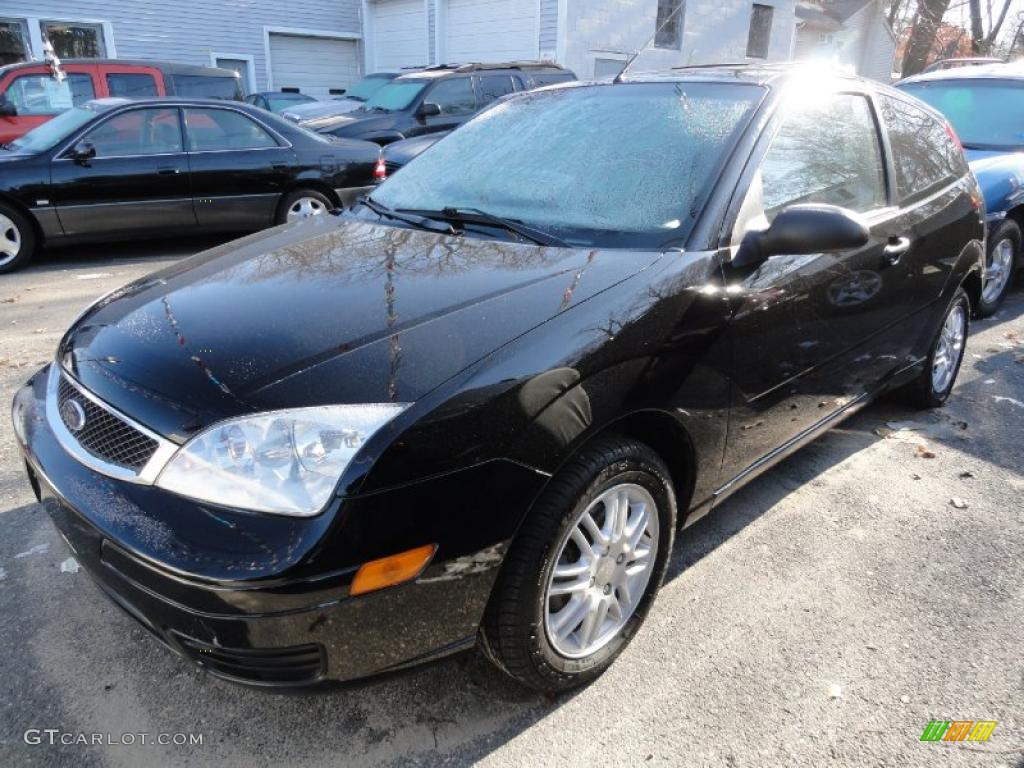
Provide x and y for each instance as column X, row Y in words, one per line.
column 168, row 171
column 895, row 249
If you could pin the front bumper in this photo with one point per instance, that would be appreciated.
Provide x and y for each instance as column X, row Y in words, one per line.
column 270, row 606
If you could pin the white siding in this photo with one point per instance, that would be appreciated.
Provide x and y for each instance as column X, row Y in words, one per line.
column 548, row 29
column 713, row 31
column 491, row 30
column 399, row 34
column 188, row 30
column 314, row 65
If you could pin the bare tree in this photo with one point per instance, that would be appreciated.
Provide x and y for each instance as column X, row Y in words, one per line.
column 980, row 41
column 922, row 35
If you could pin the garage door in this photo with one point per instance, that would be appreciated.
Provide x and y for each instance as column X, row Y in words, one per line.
column 399, row 34
column 314, row 65
column 491, row 30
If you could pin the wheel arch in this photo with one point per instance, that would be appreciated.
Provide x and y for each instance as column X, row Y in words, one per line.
column 37, row 228
column 1016, row 215
column 317, row 185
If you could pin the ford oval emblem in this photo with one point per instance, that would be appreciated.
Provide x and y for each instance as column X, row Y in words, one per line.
column 73, row 414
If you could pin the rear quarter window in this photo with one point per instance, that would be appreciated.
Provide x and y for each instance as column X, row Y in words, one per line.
column 924, row 156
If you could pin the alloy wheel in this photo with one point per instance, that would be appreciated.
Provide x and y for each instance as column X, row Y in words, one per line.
column 602, row 571
column 998, row 270
column 10, row 240
column 305, row 207
column 949, row 348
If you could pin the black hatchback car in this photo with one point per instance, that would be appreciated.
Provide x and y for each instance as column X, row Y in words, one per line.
column 476, row 410
column 437, row 99
column 116, row 168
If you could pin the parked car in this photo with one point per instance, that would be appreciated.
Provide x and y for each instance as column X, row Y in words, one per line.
column 477, row 408
column 352, row 99
column 31, row 93
column 401, row 152
column 985, row 104
column 120, row 168
column 278, row 101
column 437, row 99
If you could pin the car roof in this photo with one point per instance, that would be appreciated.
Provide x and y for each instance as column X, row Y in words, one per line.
column 755, row 74
column 160, row 101
column 1013, row 71
column 440, row 70
column 167, row 67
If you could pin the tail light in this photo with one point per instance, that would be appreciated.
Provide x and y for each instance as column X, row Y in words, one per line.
column 380, row 171
column 952, row 135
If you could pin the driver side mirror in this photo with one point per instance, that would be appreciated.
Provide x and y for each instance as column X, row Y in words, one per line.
column 428, row 109
column 7, row 108
column 803, row 229
column 83, row 152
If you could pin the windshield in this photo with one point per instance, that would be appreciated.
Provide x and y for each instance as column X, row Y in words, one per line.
column 398, row 94
column 612, row 166
column 366, row 87
column 986, row 114
column 52, row 132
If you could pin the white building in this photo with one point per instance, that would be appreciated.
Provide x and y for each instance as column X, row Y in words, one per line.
column 324, row 45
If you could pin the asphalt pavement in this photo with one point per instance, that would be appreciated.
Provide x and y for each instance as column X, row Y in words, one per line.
column 823, row 616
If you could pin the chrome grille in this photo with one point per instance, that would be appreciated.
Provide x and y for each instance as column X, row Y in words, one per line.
column 104, row 435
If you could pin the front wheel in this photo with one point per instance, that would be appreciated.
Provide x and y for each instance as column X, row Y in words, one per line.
column 1004, row 243
column 583, row 571
column 17, row 239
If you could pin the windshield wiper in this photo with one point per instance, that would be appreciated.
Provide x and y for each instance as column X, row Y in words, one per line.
column 417, row 221
column 477, row 216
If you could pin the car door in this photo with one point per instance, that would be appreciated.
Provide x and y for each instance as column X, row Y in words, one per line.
column 33, row 95
column 491, row 87
column 813, row 333
column 136, row 182
column 239, row 168
column 455, row 97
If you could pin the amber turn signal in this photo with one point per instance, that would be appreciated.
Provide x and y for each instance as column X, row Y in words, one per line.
column 391, row 570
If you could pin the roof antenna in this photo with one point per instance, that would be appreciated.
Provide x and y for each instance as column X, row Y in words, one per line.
column 629, row 62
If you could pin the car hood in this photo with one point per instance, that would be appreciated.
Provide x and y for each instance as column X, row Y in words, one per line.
column 401, row 152
column 324, row 311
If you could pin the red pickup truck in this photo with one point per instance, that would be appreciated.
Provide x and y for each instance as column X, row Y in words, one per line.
column 31, row 93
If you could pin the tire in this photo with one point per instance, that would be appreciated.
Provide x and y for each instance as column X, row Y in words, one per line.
column 316, row 203
column 1001, row 255
column 17, row 239
column 925, row 391
column 517, row 632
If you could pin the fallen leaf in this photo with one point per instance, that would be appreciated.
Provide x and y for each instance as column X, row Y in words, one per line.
column 923, row 452
column 915, row 476
column 883, row 432
column 966, row 474
column 9, row 301
column 957, row 502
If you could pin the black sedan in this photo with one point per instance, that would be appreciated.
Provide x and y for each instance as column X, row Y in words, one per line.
column 476, row 409
column 114, row 168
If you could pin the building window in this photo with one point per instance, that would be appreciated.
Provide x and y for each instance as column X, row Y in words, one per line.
column 760, row 34
column 670, row 35
column 13, row 41
column 72, row 40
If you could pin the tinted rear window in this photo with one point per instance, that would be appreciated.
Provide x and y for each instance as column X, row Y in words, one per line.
column 206, row 87
column 924, row 156
column 131, row 85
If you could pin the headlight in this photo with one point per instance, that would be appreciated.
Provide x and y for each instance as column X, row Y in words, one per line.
column 284, row 462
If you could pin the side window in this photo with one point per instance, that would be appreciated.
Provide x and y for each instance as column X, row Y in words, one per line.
column 924, row 155
column 43, row 95
column 203, row 87
column 138, row 132
column 217, row 129
column 826, row 151
column 454, row 96
column 494, row 87
column 131, row 85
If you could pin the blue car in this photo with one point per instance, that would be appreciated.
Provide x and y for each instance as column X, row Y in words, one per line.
column 985, row 105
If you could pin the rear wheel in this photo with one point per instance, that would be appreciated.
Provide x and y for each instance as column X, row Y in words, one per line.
column 933, row 385
column 580, row 577
column 303, row 204
column 1000, row 264
column 17, row 239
